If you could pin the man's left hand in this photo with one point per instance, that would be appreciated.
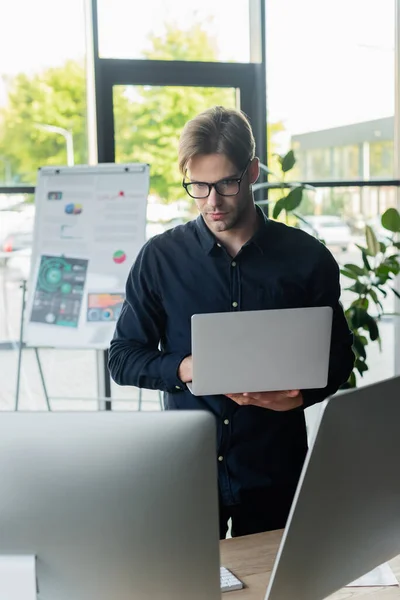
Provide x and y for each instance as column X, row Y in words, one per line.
column 279, row 401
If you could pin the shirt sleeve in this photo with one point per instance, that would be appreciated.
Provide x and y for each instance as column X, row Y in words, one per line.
column 325, row 291
column 134, row 355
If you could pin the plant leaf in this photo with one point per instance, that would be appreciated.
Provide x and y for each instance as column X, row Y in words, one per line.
column 352, row 381
column 382, row 291
column 375, row 298
column 396, row 293
column 358, row 288
column 361, row 366
column 349, row 274
column 373, row 329
column 293, row 199
column 367, row 252
column 288, row 161
column 278, row 208
column 365, row 260
column 372, row 242
column 393, row 264
column 391, row 220
column 358, row 317
column 383, row 272
column 354, row 269
column 359, row 346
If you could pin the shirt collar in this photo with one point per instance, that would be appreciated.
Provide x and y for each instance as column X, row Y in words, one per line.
column 209, row 241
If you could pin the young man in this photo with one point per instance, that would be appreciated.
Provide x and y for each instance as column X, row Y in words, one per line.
column 230, row 258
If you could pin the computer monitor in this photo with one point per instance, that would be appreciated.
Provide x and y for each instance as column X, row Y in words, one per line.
column 345, row 516
column 113, row 505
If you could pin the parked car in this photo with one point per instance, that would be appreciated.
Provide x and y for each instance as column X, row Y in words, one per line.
column 331, row 229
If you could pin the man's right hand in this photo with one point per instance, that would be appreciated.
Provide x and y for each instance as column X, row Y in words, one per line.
column 185, row 371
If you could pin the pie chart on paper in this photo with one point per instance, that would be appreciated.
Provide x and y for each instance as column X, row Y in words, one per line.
column 119, row 257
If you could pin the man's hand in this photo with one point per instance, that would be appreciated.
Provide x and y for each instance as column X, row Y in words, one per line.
column 185, row 371
column 279, row 401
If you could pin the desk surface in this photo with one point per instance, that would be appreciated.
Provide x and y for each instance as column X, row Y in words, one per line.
column 251, row 559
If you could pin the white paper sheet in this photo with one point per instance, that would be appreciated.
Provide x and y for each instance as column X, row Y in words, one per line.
column 17, row 578
column 381, row 576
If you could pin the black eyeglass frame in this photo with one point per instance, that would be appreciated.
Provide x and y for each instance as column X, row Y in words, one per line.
column 214, row 185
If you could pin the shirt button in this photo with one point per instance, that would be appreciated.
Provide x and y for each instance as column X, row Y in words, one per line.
column 233, row 264
column 234, row 304
column 177, row 387
column 226, row 422
column 220, row 458
column 219, row 245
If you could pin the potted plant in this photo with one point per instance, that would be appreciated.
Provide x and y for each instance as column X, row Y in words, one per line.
column 370, row 281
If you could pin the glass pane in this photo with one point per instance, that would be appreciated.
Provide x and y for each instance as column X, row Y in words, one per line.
column 175, row 30
column 331, row 94
column 148, row 123
column 42, row 87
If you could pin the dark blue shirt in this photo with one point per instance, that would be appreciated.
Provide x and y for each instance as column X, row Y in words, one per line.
column 186, row 271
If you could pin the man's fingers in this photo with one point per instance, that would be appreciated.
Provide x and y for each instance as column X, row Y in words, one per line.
column 240, row 399
column 253, row 395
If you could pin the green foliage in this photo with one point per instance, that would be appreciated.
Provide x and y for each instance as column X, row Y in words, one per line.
column 290, row 195
column 370, row 282
column 381, row 264
column 156, row 120
column 391, row 220
column 193, row 44
column 287, row 162
column 373, row 246
column 54, row 97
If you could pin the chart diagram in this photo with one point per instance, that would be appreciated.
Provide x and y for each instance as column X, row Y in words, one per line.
column 59, row 291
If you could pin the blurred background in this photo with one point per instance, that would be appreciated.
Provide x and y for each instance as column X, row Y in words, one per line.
column 325, row 86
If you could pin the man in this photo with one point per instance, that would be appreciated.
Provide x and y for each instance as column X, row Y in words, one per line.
column 230, row 258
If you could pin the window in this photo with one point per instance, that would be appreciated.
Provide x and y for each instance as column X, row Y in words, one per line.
column 330, row 78
column 198, row 31
column 148, row 123
column 42, row 87
column 381, row 159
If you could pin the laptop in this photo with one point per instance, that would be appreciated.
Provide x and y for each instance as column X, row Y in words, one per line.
column 260, row 350
column 345, row 516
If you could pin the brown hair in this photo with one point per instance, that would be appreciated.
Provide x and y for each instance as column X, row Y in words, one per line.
column 217, row 130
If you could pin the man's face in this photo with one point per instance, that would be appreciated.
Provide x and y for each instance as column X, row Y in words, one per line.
column 222, row 213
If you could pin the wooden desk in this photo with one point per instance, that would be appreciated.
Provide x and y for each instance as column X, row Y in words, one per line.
column 251, row 558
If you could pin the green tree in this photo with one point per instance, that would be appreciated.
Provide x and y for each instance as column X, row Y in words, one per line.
column 54, row 97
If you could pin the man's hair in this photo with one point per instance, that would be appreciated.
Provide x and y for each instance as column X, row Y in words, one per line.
column 217, row 130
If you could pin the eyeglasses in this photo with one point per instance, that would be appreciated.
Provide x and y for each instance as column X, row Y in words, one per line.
column 224, row 187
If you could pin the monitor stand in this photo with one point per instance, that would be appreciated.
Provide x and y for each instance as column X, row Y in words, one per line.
column 18, row 577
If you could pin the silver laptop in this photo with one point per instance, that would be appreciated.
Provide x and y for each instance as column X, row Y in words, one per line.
column 345, row 517
column 113, row 505
column 259, row 351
